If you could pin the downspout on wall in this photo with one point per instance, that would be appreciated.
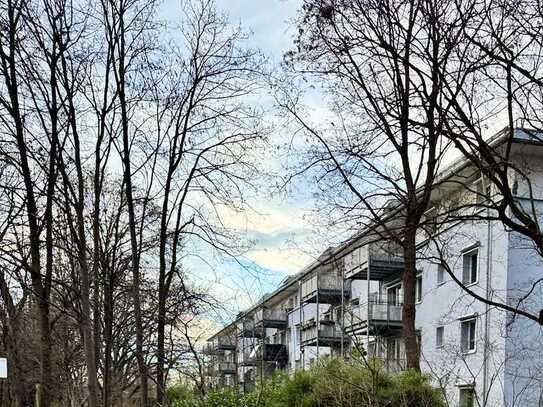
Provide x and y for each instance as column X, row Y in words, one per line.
column 487, row 307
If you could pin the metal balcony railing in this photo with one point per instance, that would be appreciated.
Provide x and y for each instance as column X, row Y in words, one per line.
column 395, row 365
column 220, row 344
column 325, row 287
column 265, row 353
column 378, row 311
column 380, row 258
column 247, row 329
column 227, row 368
column 324, row 333
column 270, row 318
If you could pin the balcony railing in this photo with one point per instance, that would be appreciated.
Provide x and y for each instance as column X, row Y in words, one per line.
column 379, row 312
column 324, row 333
column 221, row 344
column 391, row 364
column 247, row 329
column 227, row 368
column 270, row 318
column 265, row 353
column 325, row 288
column 380, row 258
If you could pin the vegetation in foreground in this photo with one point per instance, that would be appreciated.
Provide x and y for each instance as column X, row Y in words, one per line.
column 334, row 383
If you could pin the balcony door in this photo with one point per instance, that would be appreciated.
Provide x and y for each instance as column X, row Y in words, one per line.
column 394, row 294
column 394, row 349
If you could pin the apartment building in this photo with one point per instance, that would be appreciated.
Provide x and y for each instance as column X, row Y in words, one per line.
column 351, row 297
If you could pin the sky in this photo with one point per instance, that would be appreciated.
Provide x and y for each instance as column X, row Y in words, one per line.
column 278, row 225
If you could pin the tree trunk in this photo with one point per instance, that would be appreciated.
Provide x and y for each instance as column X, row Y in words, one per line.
column 409, row 311
column 132, row 223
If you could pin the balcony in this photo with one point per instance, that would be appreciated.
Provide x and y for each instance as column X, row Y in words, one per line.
column 247, row 329
column 378, row 260
column 383, row 315
column 268, row 318
column 391, row 364
column 265, row 353
column 227, row 368
column 324, row 288
column 325, row 333
column 219, row 345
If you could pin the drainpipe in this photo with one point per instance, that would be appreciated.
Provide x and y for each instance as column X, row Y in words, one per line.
column 318, row 315
column 342, row 310
column 487, row 307
column 299, row 333
column 368, row 308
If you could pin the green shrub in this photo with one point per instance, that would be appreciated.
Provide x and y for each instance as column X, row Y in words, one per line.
column 181, row 395
column 222, row 397
column 413, row 389
column 331, row 383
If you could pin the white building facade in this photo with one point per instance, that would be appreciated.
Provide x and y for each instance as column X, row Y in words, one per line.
column 351, row 297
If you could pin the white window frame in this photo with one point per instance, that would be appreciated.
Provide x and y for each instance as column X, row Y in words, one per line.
column 440, row 328
column 469, row 254
column 468, row 350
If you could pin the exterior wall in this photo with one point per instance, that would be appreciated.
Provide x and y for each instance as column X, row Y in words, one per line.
column 447, row 304
column 523, row 355
column 507, row 363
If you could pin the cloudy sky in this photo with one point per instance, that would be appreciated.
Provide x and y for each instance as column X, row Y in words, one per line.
column 284, row 238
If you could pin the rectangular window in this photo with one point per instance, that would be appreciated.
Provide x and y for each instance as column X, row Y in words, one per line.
column 418, row 288
column 394, row 295
column 394, row 349
column 440, row 274
column 440, row 332
column 372, row 349
column 468, row 336
column 470, row 266
column 467, row 397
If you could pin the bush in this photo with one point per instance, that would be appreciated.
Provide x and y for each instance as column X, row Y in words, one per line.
column 223, row 397
column 181, row 395
column 332, row 383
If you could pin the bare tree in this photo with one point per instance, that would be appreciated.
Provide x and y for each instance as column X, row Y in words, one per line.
column 376, row 162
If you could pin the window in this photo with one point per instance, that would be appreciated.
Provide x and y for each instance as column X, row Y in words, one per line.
column 394, row 349
column 372, row 349
column 470, row 263
column 440, row 274
column 440, row 333
column 418, row 288
column 467, row 397
column 468, row 335
column 394, row 295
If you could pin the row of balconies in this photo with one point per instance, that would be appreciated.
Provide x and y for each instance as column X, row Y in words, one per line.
column 327, row 286
column 221, row 368
column 379, row 314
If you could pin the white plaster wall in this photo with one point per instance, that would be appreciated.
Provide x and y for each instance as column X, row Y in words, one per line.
column 445, row 304
column 524, row 355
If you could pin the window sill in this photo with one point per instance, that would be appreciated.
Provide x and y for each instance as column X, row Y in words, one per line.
column 469, row 352
column 470, row 284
